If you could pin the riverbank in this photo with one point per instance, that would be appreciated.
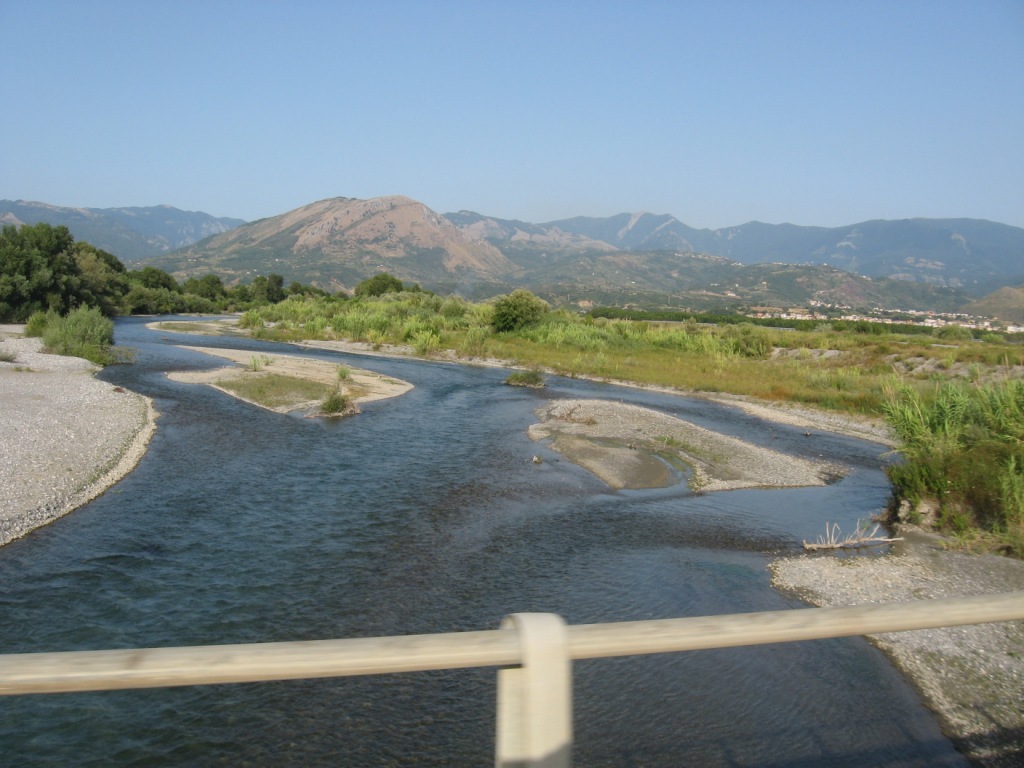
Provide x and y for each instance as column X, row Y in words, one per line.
column 972, row 677
column 67, row 437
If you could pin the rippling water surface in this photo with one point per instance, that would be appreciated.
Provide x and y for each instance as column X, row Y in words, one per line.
column 426, row 514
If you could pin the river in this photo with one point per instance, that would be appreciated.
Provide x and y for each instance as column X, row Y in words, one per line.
column 426, row 514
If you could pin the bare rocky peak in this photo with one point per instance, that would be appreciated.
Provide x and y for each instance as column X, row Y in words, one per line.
column 391, row 226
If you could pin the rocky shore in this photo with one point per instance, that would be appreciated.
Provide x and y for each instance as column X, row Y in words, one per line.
column 66, row 437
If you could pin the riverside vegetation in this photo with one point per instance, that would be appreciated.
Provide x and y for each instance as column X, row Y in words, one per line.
column 83, row 332
column 954, row 402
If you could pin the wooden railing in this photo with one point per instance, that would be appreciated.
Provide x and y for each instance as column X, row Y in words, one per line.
column 534, row 652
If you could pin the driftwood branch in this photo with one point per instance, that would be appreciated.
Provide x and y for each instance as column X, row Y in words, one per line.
column 861, row 538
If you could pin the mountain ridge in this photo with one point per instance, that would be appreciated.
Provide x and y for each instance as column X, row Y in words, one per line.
column 975, row 255
column 341, row 241
column 130, row 233
column 338, row 242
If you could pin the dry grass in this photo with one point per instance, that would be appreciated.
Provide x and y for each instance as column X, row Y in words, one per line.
column 862, row 537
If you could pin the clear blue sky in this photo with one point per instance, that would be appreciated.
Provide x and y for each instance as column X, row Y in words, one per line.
column 823, row 113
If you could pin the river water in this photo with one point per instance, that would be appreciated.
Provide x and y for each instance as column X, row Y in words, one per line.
column 426, row 514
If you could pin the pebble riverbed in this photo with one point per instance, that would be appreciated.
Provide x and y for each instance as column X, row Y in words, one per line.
column 971, row 676
column 65, row 436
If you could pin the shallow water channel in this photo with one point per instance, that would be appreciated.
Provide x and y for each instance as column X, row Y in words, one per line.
column 426, row 514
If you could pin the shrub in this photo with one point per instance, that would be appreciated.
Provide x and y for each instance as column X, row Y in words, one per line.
column 258, row 362
column 250, row 319
column 85, row 332
column 334, row 404
column 453, row 308
column 425, row 342
column 378, row 285
column 475, row 341
column 517, row 310
column 37, row 323
column 525, row 379
column 953, row 333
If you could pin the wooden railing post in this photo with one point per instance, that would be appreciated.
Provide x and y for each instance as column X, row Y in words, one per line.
column 534, row 719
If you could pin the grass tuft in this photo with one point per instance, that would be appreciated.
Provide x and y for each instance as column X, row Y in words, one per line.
column 531, row 378
column 335, row 404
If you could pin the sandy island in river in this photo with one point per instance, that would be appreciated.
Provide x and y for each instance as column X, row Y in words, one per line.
column 358, row 385
column 628, row 446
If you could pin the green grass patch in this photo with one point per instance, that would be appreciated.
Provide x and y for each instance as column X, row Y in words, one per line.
column 273, row 390
column 183, row 326
column 525, row 379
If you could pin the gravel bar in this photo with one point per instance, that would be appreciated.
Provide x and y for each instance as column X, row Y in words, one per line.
column 971, row 676
column 65, row 436
column 618, row 442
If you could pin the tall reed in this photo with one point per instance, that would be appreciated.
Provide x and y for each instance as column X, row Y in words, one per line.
column 963, row 446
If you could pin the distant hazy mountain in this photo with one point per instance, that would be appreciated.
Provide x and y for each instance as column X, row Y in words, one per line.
column 631, row 257
column 128, row 233
column 969, row 254
column 341, row 241
column 1006, row 303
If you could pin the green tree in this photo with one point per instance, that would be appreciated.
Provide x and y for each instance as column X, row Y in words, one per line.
column 267, row 290
column 208, row 286
column 37, row 271
column 153, row 278
column 141, row 300
column 378, row 285
column 517, row 310
column 104, row 280
column 240, row 294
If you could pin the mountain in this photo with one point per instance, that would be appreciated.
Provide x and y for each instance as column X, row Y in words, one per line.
column 636, row 232
column 339, row 242
column 974, row 255
column 630, row 258
column 130, row 234
column 1006, row 304
column 677, row 280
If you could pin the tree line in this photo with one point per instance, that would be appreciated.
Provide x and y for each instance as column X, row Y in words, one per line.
column 44, row 269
